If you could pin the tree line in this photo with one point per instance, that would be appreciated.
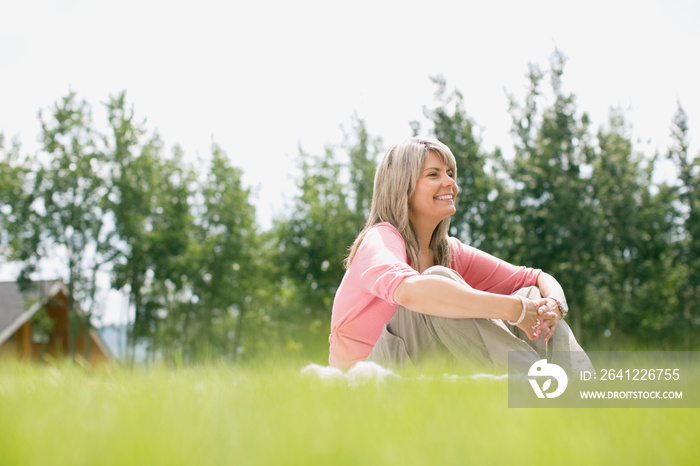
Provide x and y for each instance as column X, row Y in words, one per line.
column 205, row 281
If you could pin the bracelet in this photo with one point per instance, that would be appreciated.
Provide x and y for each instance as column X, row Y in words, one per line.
column 522, row 314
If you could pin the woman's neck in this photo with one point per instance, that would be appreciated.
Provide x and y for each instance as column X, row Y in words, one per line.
column 425, row 234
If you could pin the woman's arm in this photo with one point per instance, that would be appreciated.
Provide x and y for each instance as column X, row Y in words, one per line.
column 442, row 297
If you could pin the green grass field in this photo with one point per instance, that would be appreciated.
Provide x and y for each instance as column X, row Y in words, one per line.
column 269, row 413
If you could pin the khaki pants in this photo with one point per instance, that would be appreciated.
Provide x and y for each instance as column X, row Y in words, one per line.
column 411, row 337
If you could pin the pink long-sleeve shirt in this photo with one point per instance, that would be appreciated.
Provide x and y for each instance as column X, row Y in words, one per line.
column 365, row 302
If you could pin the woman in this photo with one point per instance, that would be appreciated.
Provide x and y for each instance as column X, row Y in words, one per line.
column 410, row 291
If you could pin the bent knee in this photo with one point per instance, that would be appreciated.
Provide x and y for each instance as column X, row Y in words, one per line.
column 438, row 270
column 444, row 272
column 529, row 292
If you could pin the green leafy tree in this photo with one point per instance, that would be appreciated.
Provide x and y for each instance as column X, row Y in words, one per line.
column 630, row 243
column 223, row 257
column 312, row 241
column 589, row 213
column 138, row 173
column 67, row 220
column 552, row 148
column 16, row 198
column 481, row 218
column 187, row 243
column 363, row 150
column 688, row 235
column 170, row 232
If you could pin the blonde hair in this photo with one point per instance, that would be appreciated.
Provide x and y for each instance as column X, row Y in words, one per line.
column 394, row 185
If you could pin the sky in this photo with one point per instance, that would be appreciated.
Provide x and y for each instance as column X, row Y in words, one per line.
column 264, row 78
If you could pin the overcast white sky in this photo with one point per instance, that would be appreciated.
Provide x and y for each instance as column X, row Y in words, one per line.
column 261, row 78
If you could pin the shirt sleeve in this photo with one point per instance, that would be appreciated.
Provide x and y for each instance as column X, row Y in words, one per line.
column 485, row 272
column 382, row 262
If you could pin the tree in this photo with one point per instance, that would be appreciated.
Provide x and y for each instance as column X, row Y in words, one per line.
column 138, row 173
column 481, row 218
column 223, row 256
column 688, row 219
column 187, row 244
column 630, row 242
column 327, row 216
column 552, row 150
column 66, row 219
column 590, row 214
column 16, row 198
column 363, row 150
column 169, row 233
column 311, row 239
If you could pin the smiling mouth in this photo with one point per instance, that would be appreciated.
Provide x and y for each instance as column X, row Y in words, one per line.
column 444, row 197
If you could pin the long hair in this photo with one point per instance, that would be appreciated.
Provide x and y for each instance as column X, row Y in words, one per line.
column 394, row 185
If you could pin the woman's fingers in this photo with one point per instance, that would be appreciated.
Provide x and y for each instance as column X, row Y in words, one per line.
column 536, row 329
column 550, row 332
column 540, row 319
column 548, row 323
column 528, row 327
column 543, row 323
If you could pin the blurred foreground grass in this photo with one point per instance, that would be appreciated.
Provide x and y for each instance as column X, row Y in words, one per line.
column 268, row 413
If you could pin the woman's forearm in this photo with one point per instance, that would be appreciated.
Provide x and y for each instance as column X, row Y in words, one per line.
column 439, row 296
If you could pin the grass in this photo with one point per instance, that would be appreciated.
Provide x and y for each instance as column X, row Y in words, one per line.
column 270, row 414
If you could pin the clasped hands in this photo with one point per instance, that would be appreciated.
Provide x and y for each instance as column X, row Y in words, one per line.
column 541, row 318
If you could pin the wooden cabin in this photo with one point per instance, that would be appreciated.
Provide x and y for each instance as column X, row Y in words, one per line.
column 37, row 323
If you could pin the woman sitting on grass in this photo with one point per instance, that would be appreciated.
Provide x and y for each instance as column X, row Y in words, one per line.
column 410, row 291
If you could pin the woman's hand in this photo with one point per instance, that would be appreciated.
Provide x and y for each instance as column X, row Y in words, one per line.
column 541, row 317
column 548, row 327
column 549, row 286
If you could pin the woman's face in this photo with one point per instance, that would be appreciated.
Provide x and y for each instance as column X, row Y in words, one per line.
column 435, row 194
